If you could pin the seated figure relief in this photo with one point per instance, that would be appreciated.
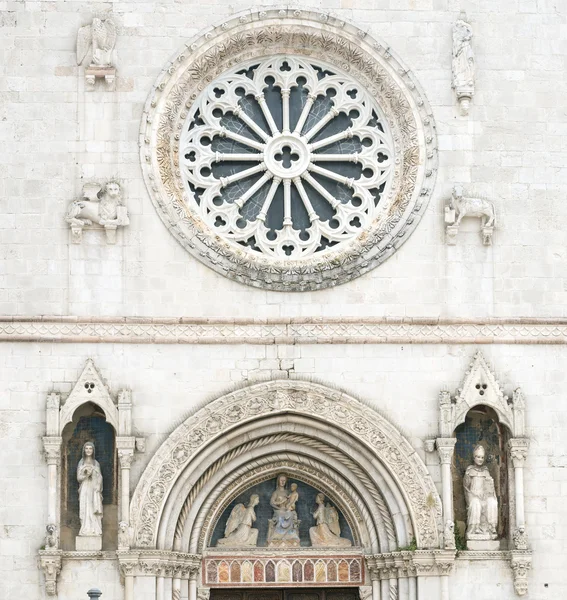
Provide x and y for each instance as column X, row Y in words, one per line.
column 480, row 496
column 283, row 527
column 238, row 531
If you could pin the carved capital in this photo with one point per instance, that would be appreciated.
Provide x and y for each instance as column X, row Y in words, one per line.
column 128, row 567
column 52, row 449
column 445, row 448
column 518, row 451
column 53, row 401
column 50, row 562
column 423, row 569
column 521, row 564
column 125, row 458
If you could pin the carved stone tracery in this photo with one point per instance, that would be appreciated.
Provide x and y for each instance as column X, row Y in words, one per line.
column 267, row 34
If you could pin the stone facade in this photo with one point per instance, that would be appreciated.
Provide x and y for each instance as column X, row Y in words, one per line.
column 170, row 337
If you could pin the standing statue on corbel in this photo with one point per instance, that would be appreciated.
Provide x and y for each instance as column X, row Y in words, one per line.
column 463, row 63
column 100, row 205
column 460, row 206
column 101, row 36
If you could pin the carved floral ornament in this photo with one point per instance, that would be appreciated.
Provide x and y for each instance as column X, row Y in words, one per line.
column 271, row 399
column 286, row 151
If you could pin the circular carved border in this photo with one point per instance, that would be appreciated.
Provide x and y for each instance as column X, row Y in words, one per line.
column 341, row 411
column 255, row 34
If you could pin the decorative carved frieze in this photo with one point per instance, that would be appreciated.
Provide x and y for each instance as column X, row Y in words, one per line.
column 298, row 330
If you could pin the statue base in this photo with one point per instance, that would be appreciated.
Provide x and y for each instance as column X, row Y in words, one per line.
column 291, row 543
column 87, row 543
column 483, row 545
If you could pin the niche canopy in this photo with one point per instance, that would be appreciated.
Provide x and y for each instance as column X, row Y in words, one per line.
column 288, row 150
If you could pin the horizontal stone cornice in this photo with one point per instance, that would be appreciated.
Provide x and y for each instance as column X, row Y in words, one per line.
column 346, row 330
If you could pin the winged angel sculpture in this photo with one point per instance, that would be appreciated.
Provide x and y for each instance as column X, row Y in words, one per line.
column 238, row 531
column 327, row 532
column 101, row 35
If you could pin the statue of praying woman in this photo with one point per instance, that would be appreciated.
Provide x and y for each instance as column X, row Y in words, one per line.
column 89, row 477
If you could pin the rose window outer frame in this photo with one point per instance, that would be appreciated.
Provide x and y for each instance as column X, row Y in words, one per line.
column 256, row 35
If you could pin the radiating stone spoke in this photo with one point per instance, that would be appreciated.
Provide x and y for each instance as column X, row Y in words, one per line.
column 224, row 132
column 222, row 157
column 242, row 174
column 333, row 112
column 355, row 157
column 343, row 135
column 239, row 112
column 269, row 198
column 313, row 216
column 249, row 193
column 327, row 195
column 304, row 113
column 287, row 203
column 348, row 181
column 285, row 110
column 267, row 113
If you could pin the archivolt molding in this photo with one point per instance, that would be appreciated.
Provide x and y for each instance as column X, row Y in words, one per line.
column 336, row 493
column 156, row 330
column 307, row 33
column 342, row 412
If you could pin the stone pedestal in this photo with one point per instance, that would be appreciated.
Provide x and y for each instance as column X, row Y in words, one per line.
column 88, row 543
column 483, row 545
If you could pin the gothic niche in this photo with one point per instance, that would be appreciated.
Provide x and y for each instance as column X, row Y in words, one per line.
column 481, row 430
column 89, row 425
column 282, row 512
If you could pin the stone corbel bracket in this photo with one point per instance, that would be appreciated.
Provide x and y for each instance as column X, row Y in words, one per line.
column 108, row 74
column 50, row 562
column 458, row 206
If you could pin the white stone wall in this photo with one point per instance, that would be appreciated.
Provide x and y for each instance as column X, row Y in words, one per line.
column 168, row 381
column 512, row 148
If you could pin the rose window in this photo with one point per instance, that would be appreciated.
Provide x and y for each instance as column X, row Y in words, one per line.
column 286, row 157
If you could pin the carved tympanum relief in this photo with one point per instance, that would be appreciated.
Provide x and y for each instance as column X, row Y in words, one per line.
column 100, row 35
column 327, row 532
column 283, row 527
column 101, row 205
column 282, row 169
column 238, row 531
